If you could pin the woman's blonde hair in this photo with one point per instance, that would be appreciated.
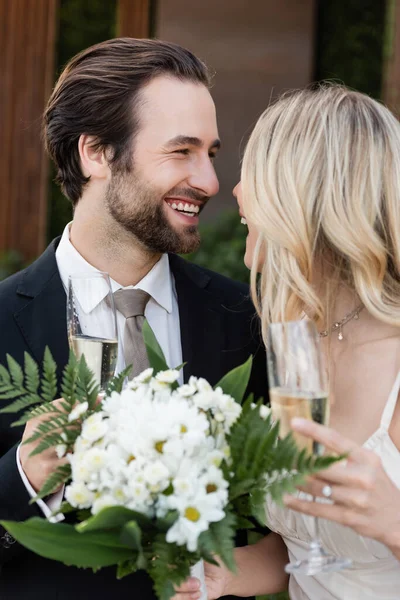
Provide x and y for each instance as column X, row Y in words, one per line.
column 321, row 183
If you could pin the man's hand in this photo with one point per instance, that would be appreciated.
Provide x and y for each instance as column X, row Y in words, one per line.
column 217, row 583
column 38, row 468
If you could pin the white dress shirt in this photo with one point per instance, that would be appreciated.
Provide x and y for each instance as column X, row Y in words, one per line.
column 161, row 312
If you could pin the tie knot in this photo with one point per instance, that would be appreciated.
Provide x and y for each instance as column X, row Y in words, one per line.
column 131, row 303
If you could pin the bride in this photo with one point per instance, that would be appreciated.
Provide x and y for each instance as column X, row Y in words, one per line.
column 320, row 192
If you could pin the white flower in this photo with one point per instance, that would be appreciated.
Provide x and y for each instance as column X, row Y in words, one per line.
column 78, row 411
column 144, row 376
column 95, row 459
column 78, row 495
column 94, row 428
column 195, row 516
column 156, row 473
column 103, row 502
column 203, row 385
column 169, row 376
column 265, row 411
column 61, row 449
column 187, row 390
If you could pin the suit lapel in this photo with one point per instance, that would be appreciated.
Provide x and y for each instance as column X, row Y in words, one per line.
column 201, row 322
column 42, row 320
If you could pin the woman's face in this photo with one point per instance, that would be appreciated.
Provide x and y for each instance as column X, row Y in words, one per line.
column 252, row 237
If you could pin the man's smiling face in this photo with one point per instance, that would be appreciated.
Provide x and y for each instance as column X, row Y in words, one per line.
column 172, row 176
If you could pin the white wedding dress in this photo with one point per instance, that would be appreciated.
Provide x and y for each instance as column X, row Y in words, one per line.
column 375, row 574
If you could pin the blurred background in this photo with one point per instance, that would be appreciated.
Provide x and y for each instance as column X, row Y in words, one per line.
column 257, row 49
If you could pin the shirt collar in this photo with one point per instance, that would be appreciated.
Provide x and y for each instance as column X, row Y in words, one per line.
column 157, row 283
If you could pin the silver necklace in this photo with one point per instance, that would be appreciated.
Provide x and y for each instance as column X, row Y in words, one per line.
column 338, row 325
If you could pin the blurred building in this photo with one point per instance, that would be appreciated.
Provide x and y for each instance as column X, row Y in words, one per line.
column 256, row 47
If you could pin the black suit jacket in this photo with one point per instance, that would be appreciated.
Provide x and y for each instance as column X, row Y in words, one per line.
column 218, row 332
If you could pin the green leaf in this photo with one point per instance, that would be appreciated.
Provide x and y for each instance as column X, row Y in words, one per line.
column 54, row 482
column 16, row 372
column 170, row 567
column 31, row 374
column 44, row 409
column 116, row 383
column 23, row 402
column 49, row 380
column 62, row 542
column 235, row 382
column 111, row 517
column 131, row 536
column 154, row 352
column 127, row 567
column 219, row 539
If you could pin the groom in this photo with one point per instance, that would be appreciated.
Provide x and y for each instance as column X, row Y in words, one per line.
column 132, row 130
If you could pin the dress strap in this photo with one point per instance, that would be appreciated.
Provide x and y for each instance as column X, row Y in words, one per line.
column 391, row 404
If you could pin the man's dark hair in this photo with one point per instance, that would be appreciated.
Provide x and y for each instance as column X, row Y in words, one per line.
column 97, row 94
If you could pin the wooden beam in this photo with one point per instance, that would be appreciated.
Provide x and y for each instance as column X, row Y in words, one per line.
column 27, row 40
column 133, row 18
column 391, row 68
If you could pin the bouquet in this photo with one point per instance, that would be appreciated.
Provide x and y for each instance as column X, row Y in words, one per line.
column 158, row 475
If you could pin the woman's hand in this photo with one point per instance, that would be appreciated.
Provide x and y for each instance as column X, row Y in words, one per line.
column 364, row 497
column 216, row 580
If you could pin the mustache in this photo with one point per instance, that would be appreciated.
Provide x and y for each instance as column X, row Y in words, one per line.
column 188, row 193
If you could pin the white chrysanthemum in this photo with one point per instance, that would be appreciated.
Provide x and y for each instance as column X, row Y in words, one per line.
column 169, row 376
column 156, row 474
column 187, row 390
column 265, row 411
column 195, row 515
column 78, row 495
column 95, row 459
column 78, row 411
column 143, row 377
column 94, row 428
column 61, row 449
column 103, row 501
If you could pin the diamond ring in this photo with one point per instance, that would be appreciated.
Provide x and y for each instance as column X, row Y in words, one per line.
column 327, row 491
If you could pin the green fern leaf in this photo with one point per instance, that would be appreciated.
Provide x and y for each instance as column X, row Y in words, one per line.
column 117, row 382
column 170, row 567
column 17, row 374
column 54, row 481
column 49, row 379
column 38, row 411
column 5, row 378
column 49, row 441
column 22, row 403
column 219, row 539
column 32, row 379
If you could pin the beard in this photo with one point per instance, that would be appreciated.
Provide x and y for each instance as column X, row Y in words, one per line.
column 139, row 208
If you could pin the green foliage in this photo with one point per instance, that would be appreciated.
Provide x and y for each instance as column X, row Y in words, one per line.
column 350, row 44
column 223, row 245
column 219, row 540
column 59, row 541
column 235, row 382
column 10, row 262
column 260, row 463
column 154, row 352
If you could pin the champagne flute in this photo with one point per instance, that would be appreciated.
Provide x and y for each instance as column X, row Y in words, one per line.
column 298, row 385
column 92, row 324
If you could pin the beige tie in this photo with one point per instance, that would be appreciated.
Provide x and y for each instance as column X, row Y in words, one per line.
column 132, row 303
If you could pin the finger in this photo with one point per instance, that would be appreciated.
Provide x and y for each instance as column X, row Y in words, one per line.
column 192, row 584
column 187, row 596
column 351, row 497
column 352, row 476
column 332, row 512
column 326, row 436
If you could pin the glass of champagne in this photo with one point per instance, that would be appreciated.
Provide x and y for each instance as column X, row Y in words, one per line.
column 298, row 387
column 92, row 324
